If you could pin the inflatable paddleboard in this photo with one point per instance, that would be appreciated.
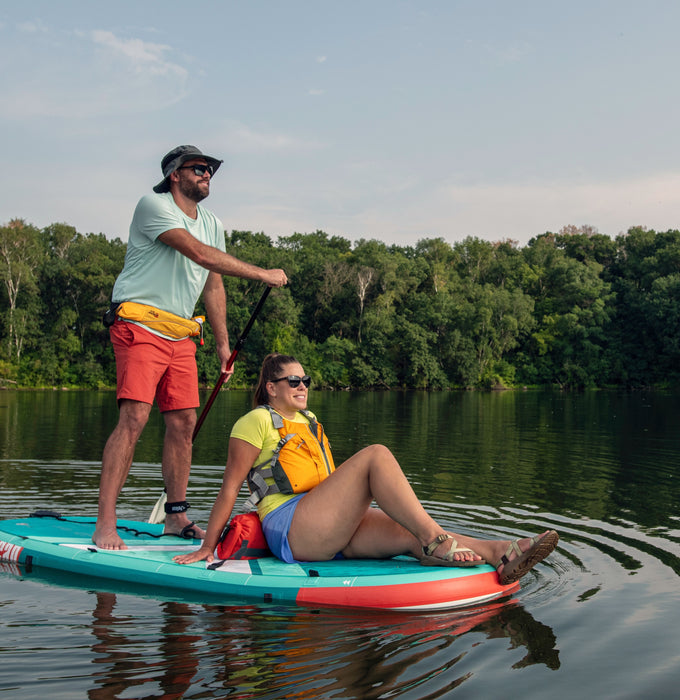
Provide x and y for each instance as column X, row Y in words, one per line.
column 65, row 544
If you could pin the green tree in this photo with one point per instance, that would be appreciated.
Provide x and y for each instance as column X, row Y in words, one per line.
column 76, row 284
column 573, row 305
column 304, row 258
column 643, row 333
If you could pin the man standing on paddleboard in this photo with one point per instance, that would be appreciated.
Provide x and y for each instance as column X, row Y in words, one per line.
column 175, row 252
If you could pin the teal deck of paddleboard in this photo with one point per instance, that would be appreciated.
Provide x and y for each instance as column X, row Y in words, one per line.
column 66, row 545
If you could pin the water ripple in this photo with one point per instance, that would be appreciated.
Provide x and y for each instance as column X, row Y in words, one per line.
column 610, row 574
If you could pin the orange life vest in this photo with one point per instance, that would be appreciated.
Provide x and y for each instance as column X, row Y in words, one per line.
column 302, row 459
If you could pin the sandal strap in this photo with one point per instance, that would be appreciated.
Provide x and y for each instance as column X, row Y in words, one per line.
column 429, row 549
column 505, row 559
column 514, row 545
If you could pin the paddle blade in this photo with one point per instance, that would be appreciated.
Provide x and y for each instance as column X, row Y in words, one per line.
column 158, row 512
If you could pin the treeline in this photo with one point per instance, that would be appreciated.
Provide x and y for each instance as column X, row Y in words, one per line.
column 574, row 309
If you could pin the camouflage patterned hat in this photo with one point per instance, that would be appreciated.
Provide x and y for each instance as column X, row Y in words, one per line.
column 177, row 157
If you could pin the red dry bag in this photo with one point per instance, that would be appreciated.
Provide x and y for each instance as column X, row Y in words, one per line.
column 243, row 539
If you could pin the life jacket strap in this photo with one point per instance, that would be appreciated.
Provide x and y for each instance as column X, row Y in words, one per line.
column 258, row 489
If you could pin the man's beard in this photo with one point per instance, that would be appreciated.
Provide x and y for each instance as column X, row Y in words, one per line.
column 192, row 190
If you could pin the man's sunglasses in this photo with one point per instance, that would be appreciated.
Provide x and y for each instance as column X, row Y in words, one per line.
column 199, row 170
column 294, row 380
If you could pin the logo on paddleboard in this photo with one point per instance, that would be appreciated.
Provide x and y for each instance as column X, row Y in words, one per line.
column 10, row 552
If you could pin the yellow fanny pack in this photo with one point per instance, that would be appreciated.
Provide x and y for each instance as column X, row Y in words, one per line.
column 161, row 321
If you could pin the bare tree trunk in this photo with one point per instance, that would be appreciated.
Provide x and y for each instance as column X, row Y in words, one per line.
column 364, row 278
column 20, row 257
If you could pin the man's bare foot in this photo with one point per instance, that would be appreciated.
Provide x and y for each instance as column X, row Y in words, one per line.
column 107, row 538
column 180, row 525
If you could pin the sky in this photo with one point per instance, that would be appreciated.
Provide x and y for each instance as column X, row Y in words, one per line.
column 395, row 120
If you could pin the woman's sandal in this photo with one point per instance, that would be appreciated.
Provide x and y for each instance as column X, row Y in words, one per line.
column 514, row 569
column 447, row 560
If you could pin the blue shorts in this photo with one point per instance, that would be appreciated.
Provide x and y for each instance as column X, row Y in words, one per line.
column 275, row 527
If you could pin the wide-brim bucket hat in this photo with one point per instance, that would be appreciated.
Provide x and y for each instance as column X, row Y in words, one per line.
column 176, row 158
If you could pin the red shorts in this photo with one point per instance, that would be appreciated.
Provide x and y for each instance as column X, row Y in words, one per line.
column 148, row 367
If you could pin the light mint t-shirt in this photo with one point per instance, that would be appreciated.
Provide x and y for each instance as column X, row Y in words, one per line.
column 155, row 273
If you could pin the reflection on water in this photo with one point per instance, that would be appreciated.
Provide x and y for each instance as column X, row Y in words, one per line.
column 172, row 649
column 281, row 654
column 601, row 613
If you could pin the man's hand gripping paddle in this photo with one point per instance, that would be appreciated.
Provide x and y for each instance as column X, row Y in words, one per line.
column 158, row 512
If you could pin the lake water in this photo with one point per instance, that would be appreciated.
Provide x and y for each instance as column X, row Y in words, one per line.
column 600, row 617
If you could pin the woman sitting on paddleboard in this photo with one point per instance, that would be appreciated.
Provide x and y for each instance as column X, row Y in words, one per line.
column 311, row 511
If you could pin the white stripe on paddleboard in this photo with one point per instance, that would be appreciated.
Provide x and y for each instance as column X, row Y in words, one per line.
column 136, row 548
column 234, row 566
column 451, row 603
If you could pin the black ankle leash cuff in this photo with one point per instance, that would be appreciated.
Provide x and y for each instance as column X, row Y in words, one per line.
column 177, row 507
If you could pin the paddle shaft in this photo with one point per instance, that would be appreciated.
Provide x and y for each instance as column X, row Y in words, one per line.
column 230, row 362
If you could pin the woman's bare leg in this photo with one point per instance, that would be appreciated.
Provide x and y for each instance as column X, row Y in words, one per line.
column 331, row 517
column 336, row 516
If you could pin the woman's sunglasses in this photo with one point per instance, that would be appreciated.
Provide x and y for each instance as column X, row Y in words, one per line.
column 294, row 380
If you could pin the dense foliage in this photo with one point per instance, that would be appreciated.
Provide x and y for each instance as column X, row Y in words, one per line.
column 574, row 309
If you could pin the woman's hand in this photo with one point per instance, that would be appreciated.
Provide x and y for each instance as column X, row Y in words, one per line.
column 200, row 554
column 242, row 456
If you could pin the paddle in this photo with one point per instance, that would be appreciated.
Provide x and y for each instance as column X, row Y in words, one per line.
column 158, row 512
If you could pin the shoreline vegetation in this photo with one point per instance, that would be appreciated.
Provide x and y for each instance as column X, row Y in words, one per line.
column 571, row 310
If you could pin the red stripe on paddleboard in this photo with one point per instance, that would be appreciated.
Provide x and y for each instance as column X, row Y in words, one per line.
column 406, row 595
